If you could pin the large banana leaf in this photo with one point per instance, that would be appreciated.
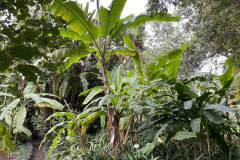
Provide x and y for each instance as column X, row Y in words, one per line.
column 141, row 19
column 227, row 75
column 73, row 51
column 109, row 18
column 9, row 108
column 135, row 55
column 69, row 33
column 19, row 119
column 50, row 103
column 76, row 18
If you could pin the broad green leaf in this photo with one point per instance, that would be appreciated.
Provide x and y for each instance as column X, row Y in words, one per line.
column 69, row 33
column 68, row 63
column 30, row 88
column 188, row 104
column 6, row 94
column 221, row 108
column 5, row 61
column 105, row 100
column 137, row 108
column 63, row 88
column 163, row 128
column 184, row 135
column 136, row 58
column 48, row 94
column 120, row 27
column 103, row 120
column 29, row 71
column 227, row 75
column 124, row 122
column 9, row 108
column 26, row 131
column 92, row 117
column 18, row 119
column 75, row 17
column 69, row 115
column 50, row 131
column 22, row 52
column 109, row 18
column 195, row 124
column 119, row 78
column 129, row 42
column 149, row 147
column 141, row 19
column 94, row 88
column 133, row 90
column 109, row 76
column 130, row 73
column 71, row 51
column 34, row 97
column 92, row 94
column 55, row 140
column 52, row 103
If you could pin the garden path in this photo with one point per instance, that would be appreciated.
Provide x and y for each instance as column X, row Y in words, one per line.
column 38, row 154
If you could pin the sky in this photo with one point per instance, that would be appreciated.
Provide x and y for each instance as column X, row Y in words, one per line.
column 132, row 6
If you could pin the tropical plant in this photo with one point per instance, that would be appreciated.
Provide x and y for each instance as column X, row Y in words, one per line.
column 14, row 113
column 109, row 25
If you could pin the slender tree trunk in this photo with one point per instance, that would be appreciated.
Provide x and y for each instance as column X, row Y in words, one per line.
column 112, row 116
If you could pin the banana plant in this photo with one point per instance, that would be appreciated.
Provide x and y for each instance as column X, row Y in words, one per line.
column 15, row 112
column 95, row 40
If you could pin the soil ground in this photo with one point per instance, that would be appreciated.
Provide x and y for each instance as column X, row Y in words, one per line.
column 38, row 154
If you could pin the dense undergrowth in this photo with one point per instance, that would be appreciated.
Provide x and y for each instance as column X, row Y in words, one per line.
column 70, row 79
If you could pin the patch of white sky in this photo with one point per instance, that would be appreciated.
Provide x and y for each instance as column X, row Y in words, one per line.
column 135, row 7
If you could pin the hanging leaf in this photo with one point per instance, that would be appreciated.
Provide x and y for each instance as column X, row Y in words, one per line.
column 195, row 124
column 69, row 115
column 30, row 88
column 50, row 103
column 221, row 108
column 149, row 147
column 103, row 120
column 26, row 131
column 92, row 94
column 129, row 42
column 71, row 51
column 9, row 108
column 22, row 52
column 188, row 104
column 163, row 128
column 68, row 63
column 94, row 88
column 63, row 88
column 69, row 33
column 124, row 122
column 141, row 19
column 18, row 119
column 29, row 71
column 184, row 135
column 227, row 75
column 119, row 78
column 34, row 97
column 6, row 94
column 105, row 100
column 133, row 90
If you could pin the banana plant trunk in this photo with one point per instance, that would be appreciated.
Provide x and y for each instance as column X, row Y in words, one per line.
column 112, row 116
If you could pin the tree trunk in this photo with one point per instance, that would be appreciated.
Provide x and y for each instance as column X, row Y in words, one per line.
column 112, row 116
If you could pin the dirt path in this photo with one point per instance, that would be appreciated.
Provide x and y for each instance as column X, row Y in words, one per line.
column 38, row 154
